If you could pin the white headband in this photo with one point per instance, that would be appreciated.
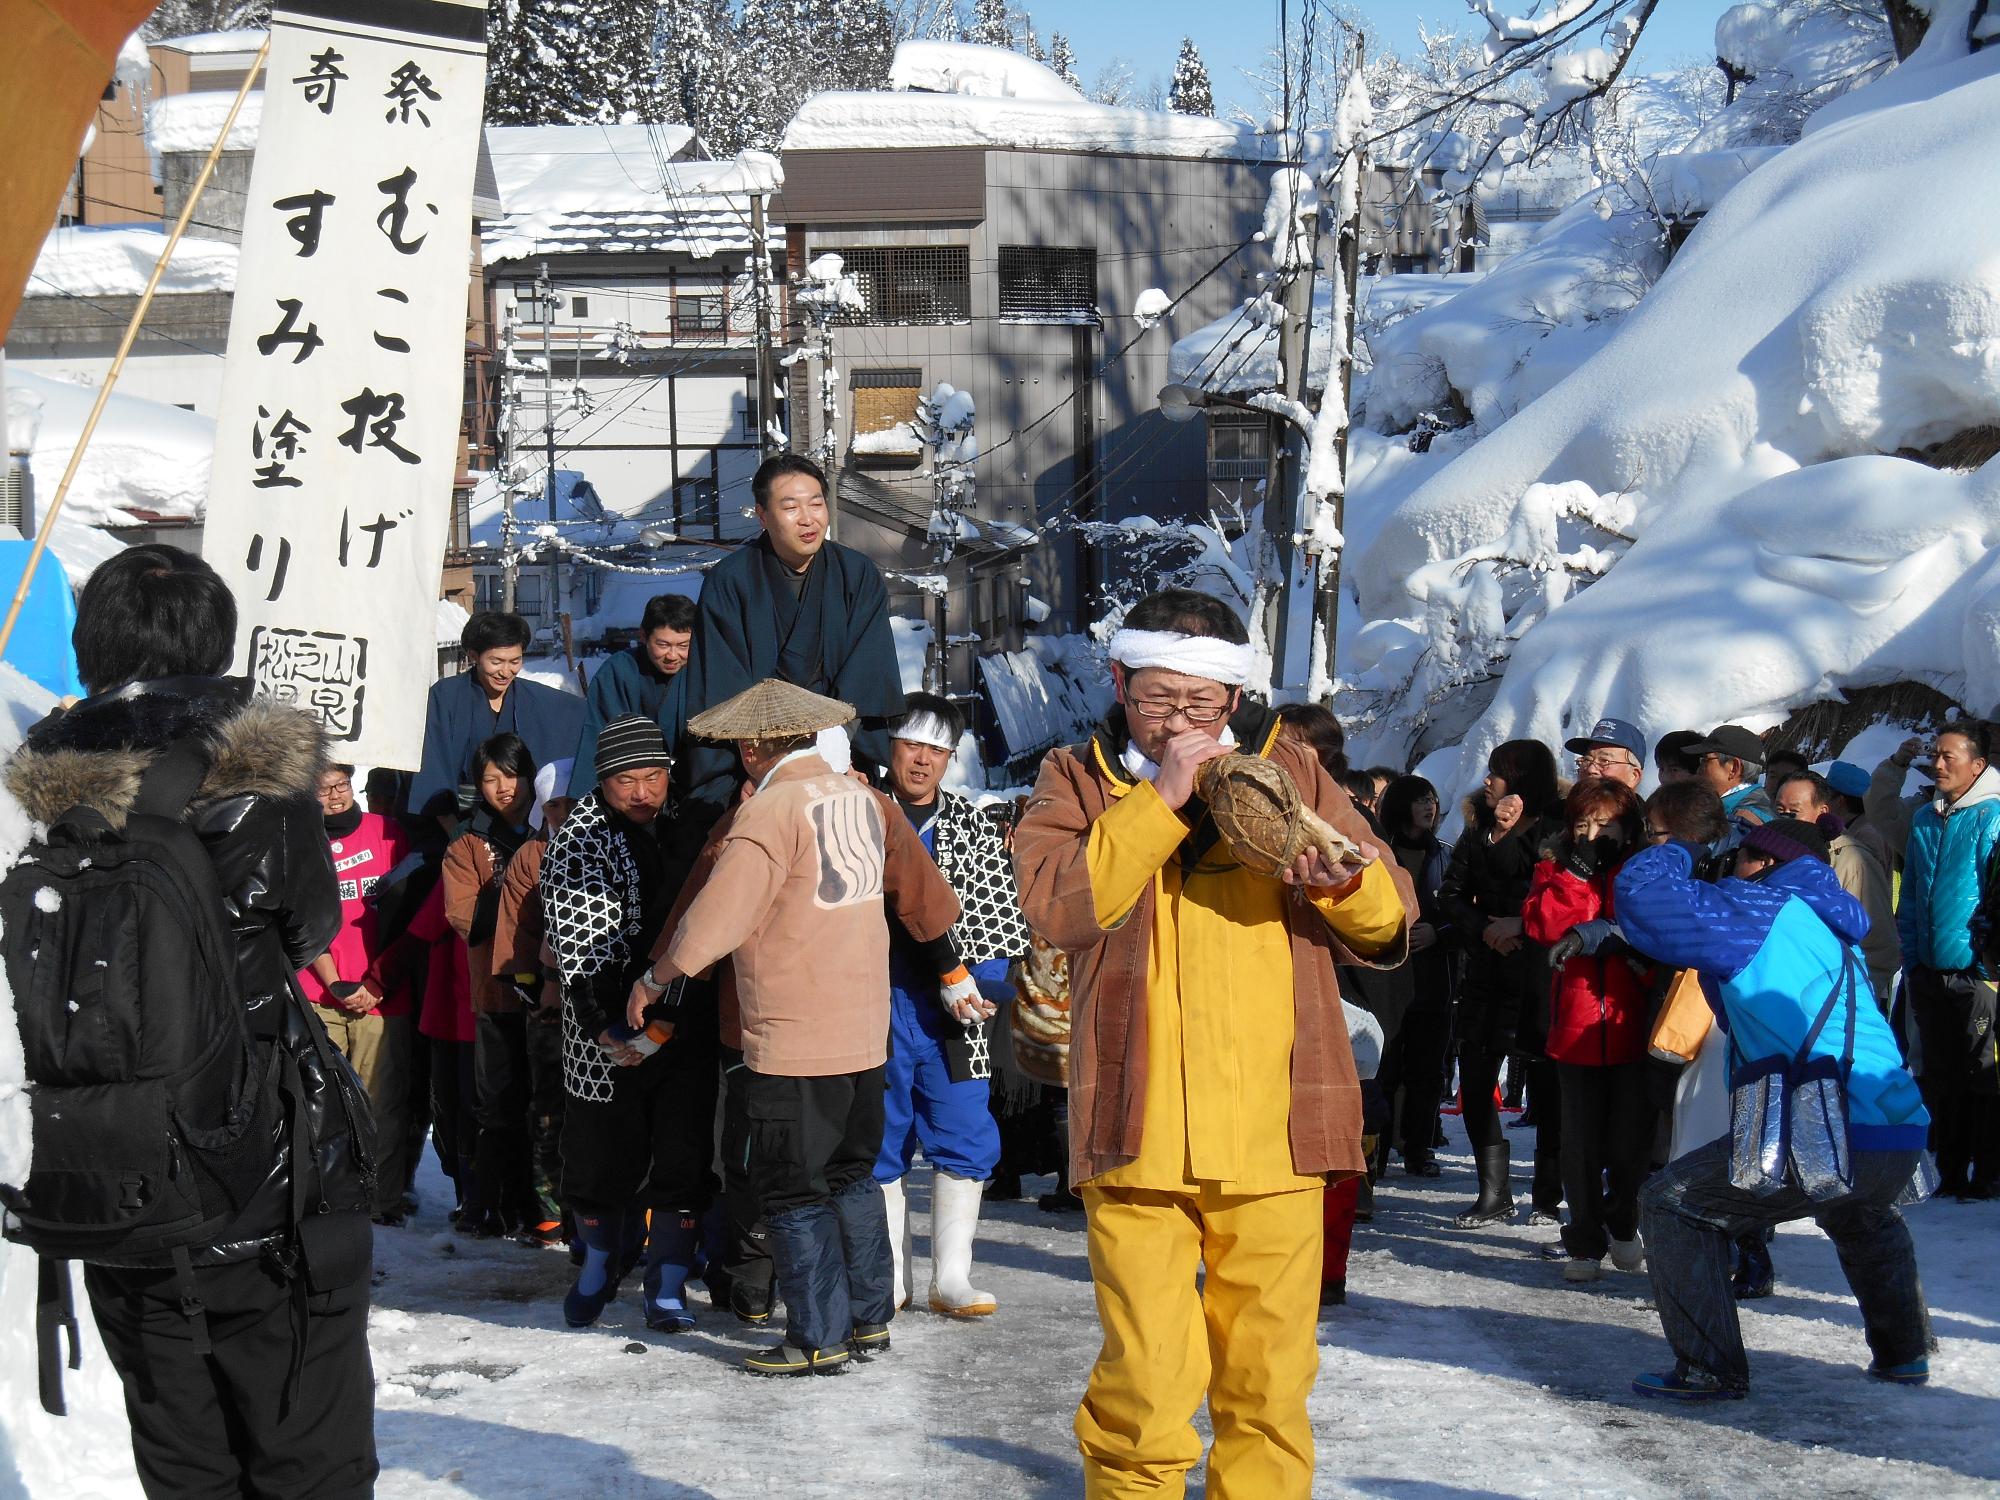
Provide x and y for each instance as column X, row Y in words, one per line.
column 925, row 728
column 551, row 782
column 1196, row 655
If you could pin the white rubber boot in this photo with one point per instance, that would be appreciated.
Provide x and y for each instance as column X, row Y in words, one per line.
column 899, row 1238
column 954, row 1218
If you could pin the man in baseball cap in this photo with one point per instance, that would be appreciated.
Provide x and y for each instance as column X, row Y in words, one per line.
column 1728, row 762
column 1612, row 751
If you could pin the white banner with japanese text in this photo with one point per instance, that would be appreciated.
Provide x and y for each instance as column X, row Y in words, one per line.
column 338, row 437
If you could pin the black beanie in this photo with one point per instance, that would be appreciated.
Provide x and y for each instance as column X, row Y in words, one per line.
column 1787, row 839
column 633, row 743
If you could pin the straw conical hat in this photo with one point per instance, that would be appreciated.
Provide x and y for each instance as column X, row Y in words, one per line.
column 771, row 710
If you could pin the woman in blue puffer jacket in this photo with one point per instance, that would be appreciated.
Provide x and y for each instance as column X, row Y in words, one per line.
column 1952, row 839
column 1775, row 946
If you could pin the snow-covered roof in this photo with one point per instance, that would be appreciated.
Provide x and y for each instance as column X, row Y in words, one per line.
column 954, row 94
column 885, row 121
column 1688, row 184
column 115, row 260
column 203, row 42
column 144, row 456
column 986, row 72
column 191, row 122
column 618, row 188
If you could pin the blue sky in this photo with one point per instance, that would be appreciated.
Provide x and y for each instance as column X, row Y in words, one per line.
column 1236, row 34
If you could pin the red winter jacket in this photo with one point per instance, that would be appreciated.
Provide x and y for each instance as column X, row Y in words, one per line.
column 1598, row 1015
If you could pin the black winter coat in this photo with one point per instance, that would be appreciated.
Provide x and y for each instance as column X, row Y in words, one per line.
column 258, row 815
column 1502, row 998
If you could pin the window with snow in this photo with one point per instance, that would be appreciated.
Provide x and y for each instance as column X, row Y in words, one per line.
column 885, row 417
column 1048, row 284
column 700, row 315
column 910, row 284
column 1239, row 446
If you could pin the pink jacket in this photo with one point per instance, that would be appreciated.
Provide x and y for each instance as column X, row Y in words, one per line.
column 360, row 860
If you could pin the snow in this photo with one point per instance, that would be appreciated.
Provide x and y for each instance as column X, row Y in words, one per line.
column 191, row 122
column 134, row 67
column 452, row 618
column 1458, row 1355
column 976, row 72
column 913, row 639
column 1690, row 183
column 618, row 189
column 206, row 42
column 1752, row 39
column 869, row 121
column 1150, row 306
column 115, row 260
column 900, row 438
column 1732, row 430
column 144, row 455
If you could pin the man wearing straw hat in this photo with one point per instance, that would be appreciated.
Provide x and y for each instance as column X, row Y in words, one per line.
column 1212, row 1087
column 795, row 895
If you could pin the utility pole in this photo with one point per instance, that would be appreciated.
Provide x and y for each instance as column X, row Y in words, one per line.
column 545, row 294
column 509, row 478
column 760, row 283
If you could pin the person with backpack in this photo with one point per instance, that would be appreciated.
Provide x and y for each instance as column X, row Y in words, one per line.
column 230, row 1280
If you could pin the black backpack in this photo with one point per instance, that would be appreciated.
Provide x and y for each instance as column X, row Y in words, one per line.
column 152, row 1123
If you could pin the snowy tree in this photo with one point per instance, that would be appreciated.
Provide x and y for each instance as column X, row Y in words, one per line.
column 701, row 78
column 989, row 26
column 1114, row 85
column 191, row 17
column 1063, row 61
column 1033, row 46
column 631, row 87
column 1191, row 94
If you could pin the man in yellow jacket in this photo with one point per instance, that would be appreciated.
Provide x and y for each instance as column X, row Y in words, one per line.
column 1212, row 1088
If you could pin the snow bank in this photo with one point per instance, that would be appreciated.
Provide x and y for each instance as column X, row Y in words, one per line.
column 88, row 1454
column 604, row 188
column 974, row 71
column 191, row 122
column 883, row 121
column 114, row 261
column 247, row 39
column 1835, row 303
column 144, row 456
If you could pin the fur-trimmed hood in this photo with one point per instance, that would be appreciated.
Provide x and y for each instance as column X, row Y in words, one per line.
column 94, row 754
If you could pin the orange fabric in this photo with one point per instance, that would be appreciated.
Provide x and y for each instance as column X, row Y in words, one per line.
column 58, row 58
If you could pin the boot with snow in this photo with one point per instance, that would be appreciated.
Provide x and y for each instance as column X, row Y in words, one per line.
column 954, row 1219
column 596, row 1283
column 1496, row 1200
column 897, row 1207
column 1628, row 1255
column 670, row 1250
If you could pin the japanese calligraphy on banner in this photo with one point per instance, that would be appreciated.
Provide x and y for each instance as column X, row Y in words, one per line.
column 338, row 437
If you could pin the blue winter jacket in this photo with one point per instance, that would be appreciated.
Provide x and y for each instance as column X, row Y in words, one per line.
column 1944, row 867
column 1769, row 953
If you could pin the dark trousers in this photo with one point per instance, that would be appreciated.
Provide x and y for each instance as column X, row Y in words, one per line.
column 546, row 1106
column 454, row 1125
column 1607, row 1135
column 1478, row 1076
column 416, row 1105
column 652, row 1141
column 500, row 1106
column 233, row 1422
column 1545, row 1094
column 1412, row 1074
column 813, row 1145
column 746, row 1253
column 1690, row 1214
column 1965, row 1110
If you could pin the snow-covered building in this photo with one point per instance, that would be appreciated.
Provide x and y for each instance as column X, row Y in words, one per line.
column 618, row 267
column 999, row 233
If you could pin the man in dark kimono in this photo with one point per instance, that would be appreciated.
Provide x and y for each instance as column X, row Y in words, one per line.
column 795, row 606
column 649, row 680
column 486, row 699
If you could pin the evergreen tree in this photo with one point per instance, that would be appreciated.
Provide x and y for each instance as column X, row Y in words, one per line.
column 1191, row 94
column 632, row 86
column 190, row 17
column 1063, row 60
column 1033, row 46
column 989, row 26
column 701, row 75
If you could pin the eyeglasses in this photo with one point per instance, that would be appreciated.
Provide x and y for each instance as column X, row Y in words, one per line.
column 1606, row 760
column 1197, row 714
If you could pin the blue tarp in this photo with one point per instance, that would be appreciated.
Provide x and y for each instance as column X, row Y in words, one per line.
column 40, row 649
